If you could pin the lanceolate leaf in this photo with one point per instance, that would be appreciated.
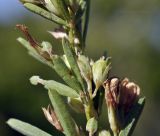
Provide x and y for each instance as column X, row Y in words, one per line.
column 63, row 71
column 87, row 12
column 132, row 118
column 25, row 128
column 62, row 8
column 62, row 113
column 61, row 89
column 45, row 13
column 73, row 62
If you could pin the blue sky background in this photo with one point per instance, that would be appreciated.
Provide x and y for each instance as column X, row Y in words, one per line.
column 9, row 9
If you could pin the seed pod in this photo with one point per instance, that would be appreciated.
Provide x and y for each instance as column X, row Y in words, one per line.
column 100, row 71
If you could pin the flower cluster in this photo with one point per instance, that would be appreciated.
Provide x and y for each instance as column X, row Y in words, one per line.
column 120, row 97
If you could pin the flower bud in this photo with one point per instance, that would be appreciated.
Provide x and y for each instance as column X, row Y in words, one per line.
column 76, row 104
column 104, row 133
column 36, row 80
column 85, row 68
column 100, row 71
column 46, row 47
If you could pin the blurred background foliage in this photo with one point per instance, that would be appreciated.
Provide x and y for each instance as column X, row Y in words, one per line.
column 127, row 30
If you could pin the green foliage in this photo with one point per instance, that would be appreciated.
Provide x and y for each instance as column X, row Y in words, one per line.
column 132, row 118
column 92, row 126
column 73, row 62
column 62, row 113
column 120, row 95
column 65, row 73
column 53, row 85
column 25, row 128
column 44, row 13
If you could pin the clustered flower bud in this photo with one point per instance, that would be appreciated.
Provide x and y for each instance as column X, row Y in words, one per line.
column 100, row 70
column 85, row 68
column 120, row 96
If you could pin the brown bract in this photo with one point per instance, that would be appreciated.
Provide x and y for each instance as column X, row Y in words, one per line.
column 52, row 118
column 30, row 39
column 46, row 55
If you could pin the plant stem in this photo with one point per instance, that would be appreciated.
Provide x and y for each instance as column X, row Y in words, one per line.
column 90, row 111
column 71, row 34
column 115, row 133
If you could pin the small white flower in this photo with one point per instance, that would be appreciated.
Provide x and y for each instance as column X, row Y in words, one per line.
column 60, row 34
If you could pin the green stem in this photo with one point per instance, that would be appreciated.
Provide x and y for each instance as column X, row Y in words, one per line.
column 71, row 35
column 90, row 111
column 115, row 133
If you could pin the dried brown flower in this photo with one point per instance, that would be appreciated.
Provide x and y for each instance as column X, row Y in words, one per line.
column 52, row 118
column 120, row 96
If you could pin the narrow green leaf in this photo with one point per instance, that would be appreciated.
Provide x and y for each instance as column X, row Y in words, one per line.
column 132, row 118
column 25, row 128
column 63, row 71
column 71, row 57
column 44, row 13
column 87, row 13
column 50, row 7
column 62, row 113
column 61, row 88
column 62, row 8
